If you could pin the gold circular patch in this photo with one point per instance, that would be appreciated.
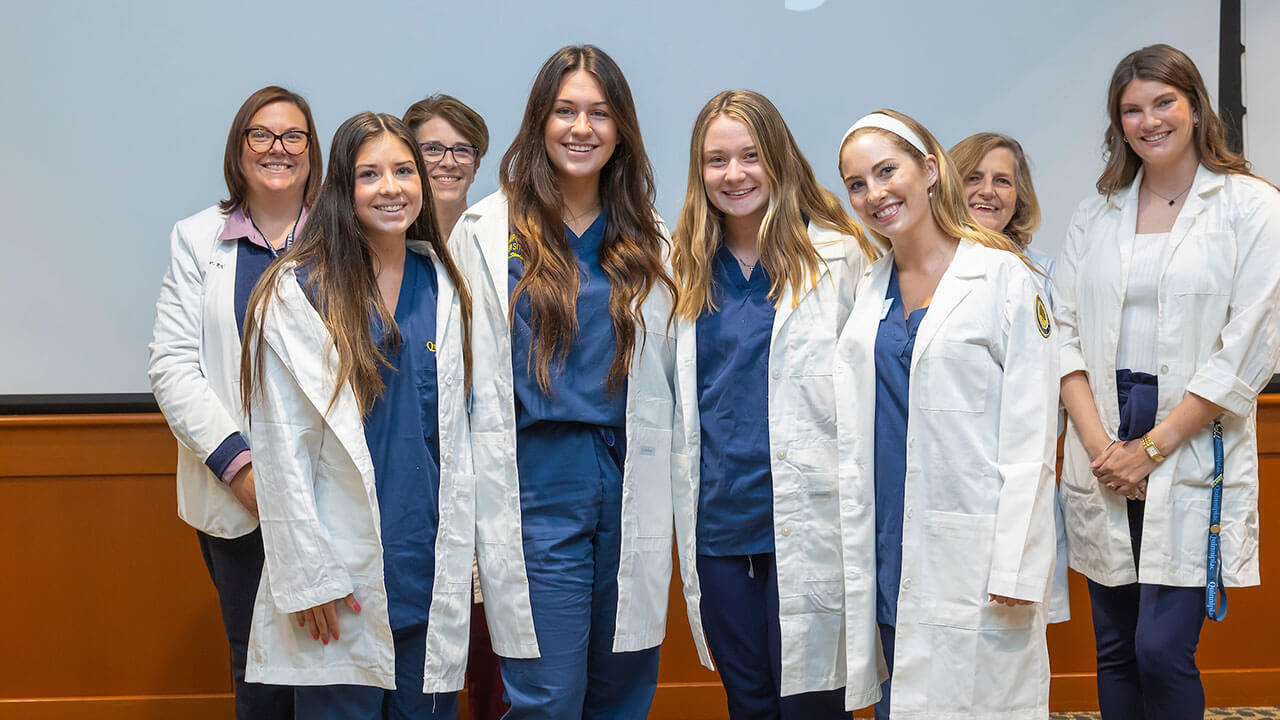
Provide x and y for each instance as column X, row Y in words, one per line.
column 1042, row 317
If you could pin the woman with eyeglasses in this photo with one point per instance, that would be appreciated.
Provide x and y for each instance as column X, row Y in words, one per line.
column 356, row 373
column 1168, row 288
column 272, row 169
column 452, row 139
column 573, row 401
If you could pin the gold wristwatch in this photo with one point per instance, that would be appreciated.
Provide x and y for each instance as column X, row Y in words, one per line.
column 1150, row 447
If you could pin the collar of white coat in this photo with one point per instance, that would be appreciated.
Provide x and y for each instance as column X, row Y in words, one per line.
column 1206, row 183
column 966, row 264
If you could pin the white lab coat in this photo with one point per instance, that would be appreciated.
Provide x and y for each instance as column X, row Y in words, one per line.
column 978, row 501
column 319, row 507
column 1218, row 336
column 479, row 241
column 806, row 516
column 195, row 368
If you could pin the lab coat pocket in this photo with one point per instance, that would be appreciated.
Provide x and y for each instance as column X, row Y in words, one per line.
column 1084, row 515
column 648, row 481
column 1190, row 519
column 958, row 549
column 952, row 377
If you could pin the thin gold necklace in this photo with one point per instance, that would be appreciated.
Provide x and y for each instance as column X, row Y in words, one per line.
column 1172, row 200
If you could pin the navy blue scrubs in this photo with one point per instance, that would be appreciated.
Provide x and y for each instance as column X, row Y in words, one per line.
column 895, row 341
column 402, row 432
column 737, row 568
column 570, row 447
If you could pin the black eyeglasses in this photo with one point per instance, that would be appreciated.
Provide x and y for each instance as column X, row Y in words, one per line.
column 260, row 140
column 463, row 153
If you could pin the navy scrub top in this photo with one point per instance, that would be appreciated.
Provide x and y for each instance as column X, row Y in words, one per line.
column 735, row 492
column 579, row 387
column 895, row 341
column 402, row 432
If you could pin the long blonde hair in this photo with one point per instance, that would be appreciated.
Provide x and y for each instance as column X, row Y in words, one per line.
column 786, row 251
column 946, row 197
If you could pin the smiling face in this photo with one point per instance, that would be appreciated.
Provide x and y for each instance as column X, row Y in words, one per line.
column 388, row 191
column 990, row 189
column 888, row 188
column 580, row 134
column 1158, row 122
column 275, row 171
column 449, row 180
column 732, row 171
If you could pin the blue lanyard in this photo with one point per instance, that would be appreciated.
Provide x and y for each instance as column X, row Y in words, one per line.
column 1213, row 588
column 288, row 239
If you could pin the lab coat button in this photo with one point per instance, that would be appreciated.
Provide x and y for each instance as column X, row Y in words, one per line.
column 786, row 530
column 906, row 583
column 908, row 513
column 782, row 454
column 448, row 379
column 1164, row 369
column 777, row 374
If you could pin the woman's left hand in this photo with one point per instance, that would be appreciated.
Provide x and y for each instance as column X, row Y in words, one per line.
column 1125, row 469
column 1005, row 600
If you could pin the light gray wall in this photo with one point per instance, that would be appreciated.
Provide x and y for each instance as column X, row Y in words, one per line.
column 115, row 114
column 1262, row 87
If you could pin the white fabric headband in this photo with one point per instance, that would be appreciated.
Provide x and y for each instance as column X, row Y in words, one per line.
column 886, row 122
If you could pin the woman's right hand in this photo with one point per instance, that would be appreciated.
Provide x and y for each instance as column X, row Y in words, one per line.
column 322, row 620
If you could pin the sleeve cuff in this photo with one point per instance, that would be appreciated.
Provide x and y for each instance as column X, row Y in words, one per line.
column 238, row 463
column 226, row 454
column 1225, row 391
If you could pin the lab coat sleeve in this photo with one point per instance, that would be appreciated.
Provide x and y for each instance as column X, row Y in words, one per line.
column 1070, row 354
column 1025, row 545
column 195, row 414
column 302, row 565
column 1250, row 341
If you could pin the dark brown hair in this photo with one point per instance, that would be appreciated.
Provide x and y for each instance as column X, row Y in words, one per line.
column 967, row 154
column 631, row 252
column 466, row 121
column 336, row 254
column 1168, row 65
column 236, row 145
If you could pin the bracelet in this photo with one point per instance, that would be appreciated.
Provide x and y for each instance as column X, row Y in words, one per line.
column 1150, row 447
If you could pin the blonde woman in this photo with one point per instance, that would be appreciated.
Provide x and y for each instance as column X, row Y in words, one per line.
column 946, row 400
column 764, row 259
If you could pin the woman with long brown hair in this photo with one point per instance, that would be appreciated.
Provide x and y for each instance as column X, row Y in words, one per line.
column 573, row 401
column 765, row 260
column 1167, row 299
column 355, row 376
column 272, row 169
column 945, row 409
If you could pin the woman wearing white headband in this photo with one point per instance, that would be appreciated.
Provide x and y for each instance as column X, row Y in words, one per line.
column 946, row 401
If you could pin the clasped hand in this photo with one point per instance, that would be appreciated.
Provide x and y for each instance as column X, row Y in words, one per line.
column 1123, row 468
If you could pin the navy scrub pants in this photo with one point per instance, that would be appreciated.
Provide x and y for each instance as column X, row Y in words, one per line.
column 740, row 617
column 363, row 702
column 1146, row 634
column 235, row 566
column 571, row 510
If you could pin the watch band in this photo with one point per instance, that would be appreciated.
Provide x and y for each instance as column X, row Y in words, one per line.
column 1150, row 447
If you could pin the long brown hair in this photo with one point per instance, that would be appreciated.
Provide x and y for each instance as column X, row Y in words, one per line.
column 337, row 257
column 236, row 145
column 786, row 251
column 946, row 198
column 1168, row 65
column 968, row 154
column 631, row 252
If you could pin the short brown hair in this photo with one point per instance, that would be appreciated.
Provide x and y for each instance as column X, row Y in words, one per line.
column 968, row 154
column 236, row 144
column 466, row 121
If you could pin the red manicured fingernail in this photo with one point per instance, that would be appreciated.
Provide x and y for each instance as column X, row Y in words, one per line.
column 335, row 637
column 301, row 623
column 325, row 641
column 315, row 636
column 357, row 607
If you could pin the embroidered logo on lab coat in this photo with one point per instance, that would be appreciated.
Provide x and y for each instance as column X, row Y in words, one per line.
column 513, row 248
column 1042, row 317
column 431, row 347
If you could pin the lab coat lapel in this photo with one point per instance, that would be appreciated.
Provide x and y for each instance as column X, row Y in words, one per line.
column 830, row 252
column 1206, row 183
column 492, row 230
column 956, row 283
column 294, row 331
column 446, row 295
